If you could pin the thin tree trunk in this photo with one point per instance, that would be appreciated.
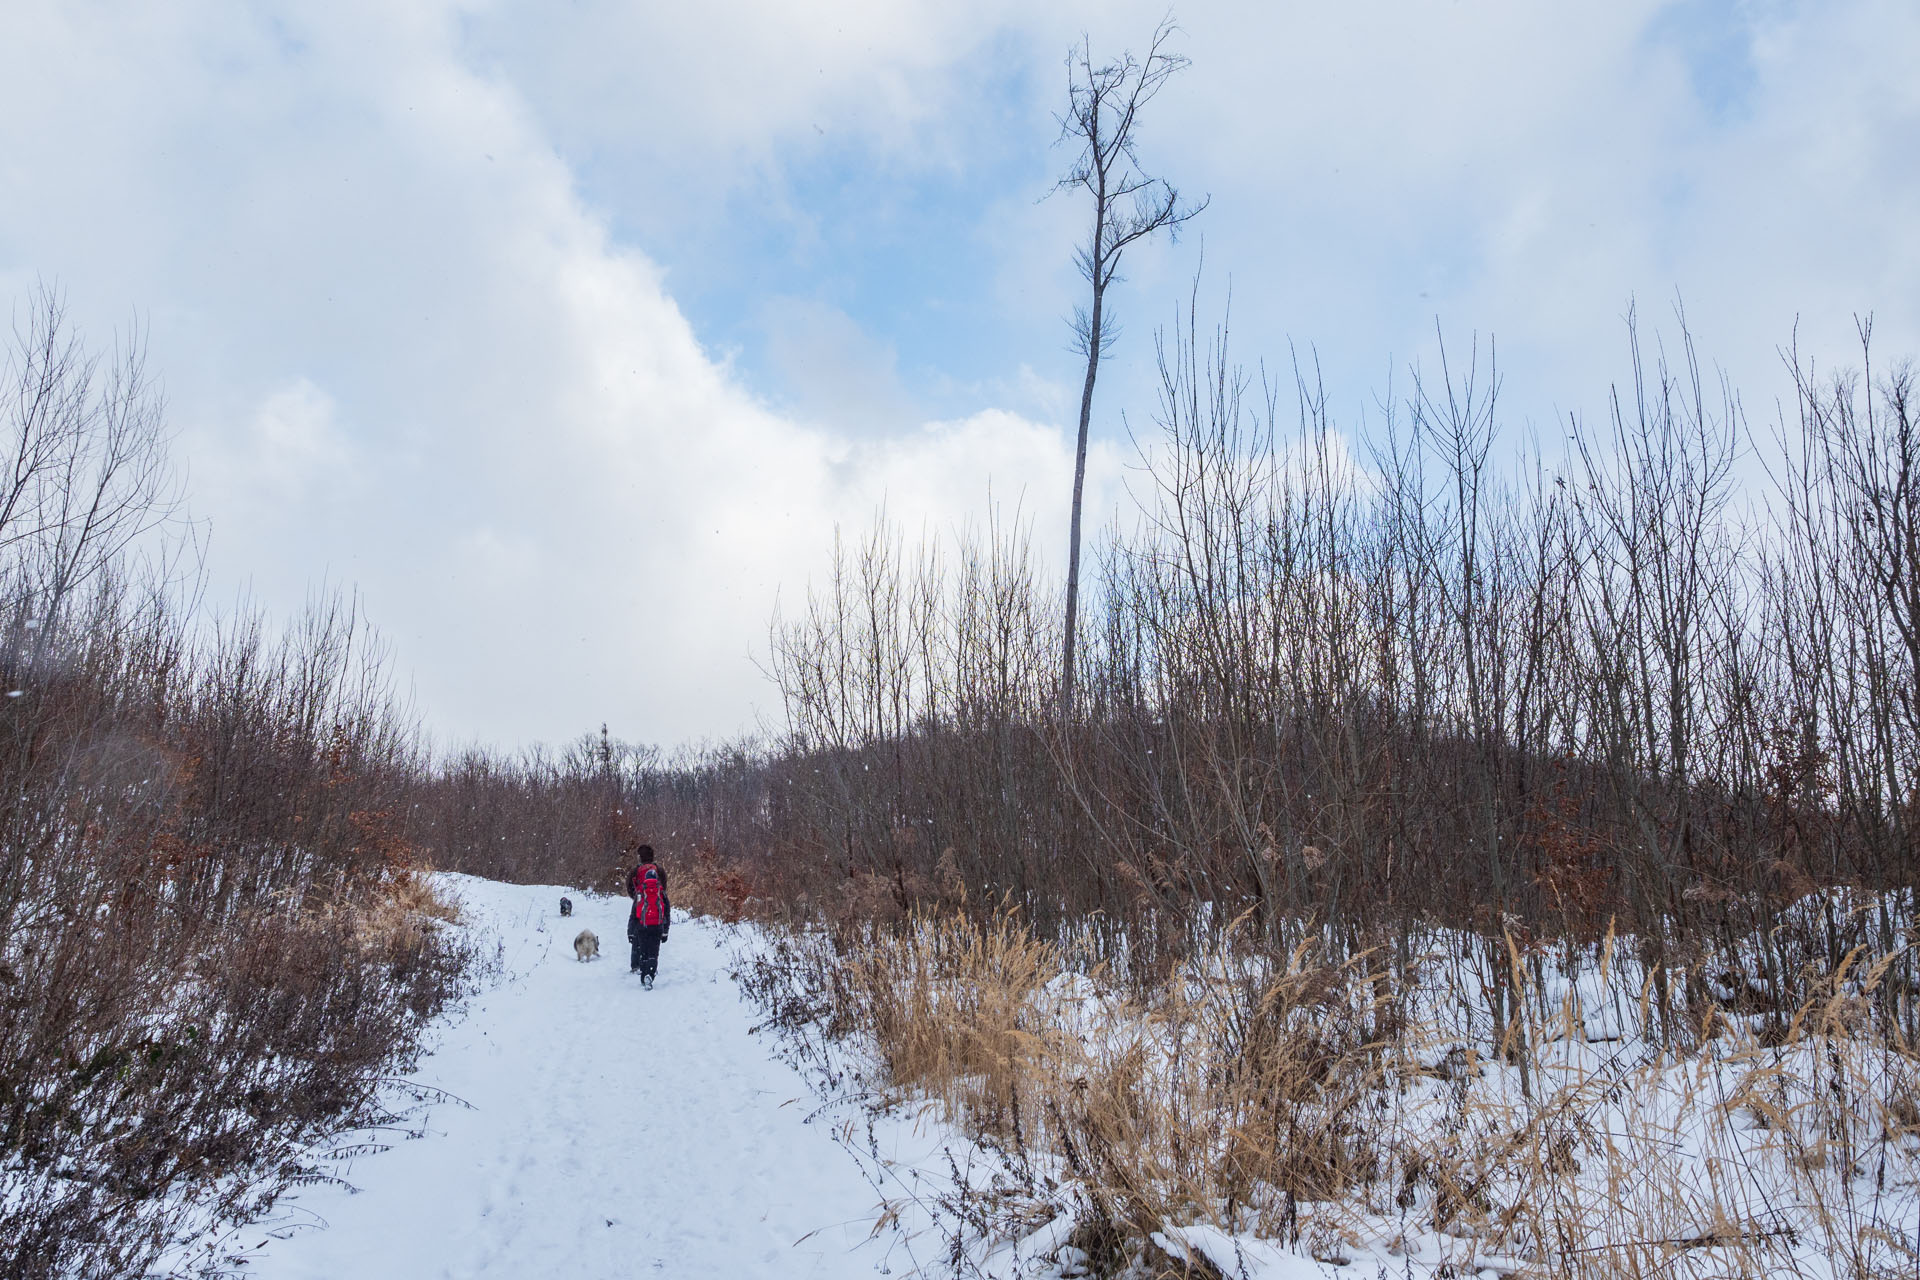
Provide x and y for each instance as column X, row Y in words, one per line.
column 1079, row 485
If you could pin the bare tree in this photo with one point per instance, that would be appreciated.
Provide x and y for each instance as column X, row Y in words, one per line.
column 83, row 455
column 1104, row 102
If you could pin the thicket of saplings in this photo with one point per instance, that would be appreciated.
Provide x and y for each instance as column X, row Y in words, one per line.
column 1381, row 771
column 213, row 942
column 1396, row 773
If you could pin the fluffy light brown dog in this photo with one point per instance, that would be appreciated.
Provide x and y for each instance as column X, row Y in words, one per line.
column 586, row 946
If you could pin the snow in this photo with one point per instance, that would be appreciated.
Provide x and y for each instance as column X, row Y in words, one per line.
column 569, row 1123
column 580, row 1126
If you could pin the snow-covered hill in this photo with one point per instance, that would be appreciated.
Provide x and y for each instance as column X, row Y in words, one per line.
column 591, row 1129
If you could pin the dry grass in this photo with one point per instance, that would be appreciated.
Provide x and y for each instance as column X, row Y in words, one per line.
column 944, row 1032
column 1338, row 1110
column 404, row 906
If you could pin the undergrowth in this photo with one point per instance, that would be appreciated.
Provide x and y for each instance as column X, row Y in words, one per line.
column 1357, row 1112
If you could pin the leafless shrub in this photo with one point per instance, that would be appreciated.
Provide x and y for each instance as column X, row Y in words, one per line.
column 214, row 937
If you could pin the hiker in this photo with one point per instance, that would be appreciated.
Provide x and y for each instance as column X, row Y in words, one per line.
column 651, row 917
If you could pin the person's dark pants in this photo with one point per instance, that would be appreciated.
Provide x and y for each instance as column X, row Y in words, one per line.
column 646, row 946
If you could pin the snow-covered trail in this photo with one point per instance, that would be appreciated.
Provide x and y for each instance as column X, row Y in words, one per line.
column 611, row 1131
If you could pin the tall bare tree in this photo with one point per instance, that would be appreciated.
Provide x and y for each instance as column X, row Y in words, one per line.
column 1104, row 102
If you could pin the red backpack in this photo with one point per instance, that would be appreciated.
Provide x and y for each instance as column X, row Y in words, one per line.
column 646, row 903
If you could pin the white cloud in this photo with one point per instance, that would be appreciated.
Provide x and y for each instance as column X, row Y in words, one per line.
column 291, row 447
column 406, row 356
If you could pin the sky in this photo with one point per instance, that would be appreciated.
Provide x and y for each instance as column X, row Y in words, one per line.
column 568, row 334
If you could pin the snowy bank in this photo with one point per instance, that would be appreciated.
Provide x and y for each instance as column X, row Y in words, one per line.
column 566, row 1122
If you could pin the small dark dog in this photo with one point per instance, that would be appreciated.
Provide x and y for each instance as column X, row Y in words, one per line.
column 566, row 906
